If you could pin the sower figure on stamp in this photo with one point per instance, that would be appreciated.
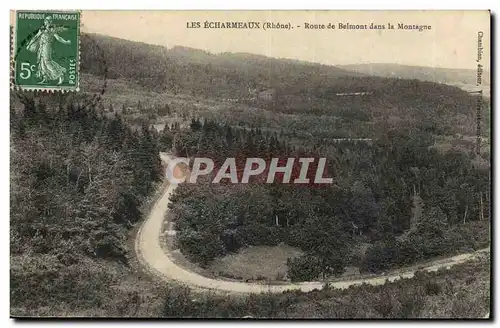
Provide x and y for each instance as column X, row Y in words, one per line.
column 41, row 44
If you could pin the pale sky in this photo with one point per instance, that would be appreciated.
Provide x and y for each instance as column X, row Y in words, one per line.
column 452, row 41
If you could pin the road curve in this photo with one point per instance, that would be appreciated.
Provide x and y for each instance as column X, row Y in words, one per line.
column 158, row 261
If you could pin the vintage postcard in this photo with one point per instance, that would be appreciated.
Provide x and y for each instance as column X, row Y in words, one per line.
column 250, row 164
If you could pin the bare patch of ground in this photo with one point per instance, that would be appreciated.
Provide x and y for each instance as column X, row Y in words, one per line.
column 256, row 263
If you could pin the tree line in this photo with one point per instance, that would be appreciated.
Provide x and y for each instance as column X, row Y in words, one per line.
column 73, row 155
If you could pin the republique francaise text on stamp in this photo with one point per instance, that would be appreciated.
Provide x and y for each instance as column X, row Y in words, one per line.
column 46, row 50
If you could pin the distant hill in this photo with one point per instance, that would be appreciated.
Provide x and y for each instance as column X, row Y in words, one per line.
column 363, row 100
column 432, row 74
column 187, row 69
column 465, row 79
column 233, row 74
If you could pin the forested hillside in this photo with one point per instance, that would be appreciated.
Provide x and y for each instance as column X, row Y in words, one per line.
column 77, row 184
column 186, row 70
column 357, row 105
column 83, row 173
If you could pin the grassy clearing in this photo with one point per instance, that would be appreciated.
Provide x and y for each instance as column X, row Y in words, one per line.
column 256, row 263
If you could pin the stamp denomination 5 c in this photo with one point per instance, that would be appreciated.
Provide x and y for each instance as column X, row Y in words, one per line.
column 46, row 50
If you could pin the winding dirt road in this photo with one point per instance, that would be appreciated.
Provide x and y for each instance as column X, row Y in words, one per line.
column 159, row 262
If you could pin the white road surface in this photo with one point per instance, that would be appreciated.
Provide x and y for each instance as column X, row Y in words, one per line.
column 158, row 261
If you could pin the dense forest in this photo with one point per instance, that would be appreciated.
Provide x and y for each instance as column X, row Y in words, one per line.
column 77, row 184
column 409, row 201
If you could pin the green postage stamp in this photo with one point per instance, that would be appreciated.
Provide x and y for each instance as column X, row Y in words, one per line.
column 46, row 50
